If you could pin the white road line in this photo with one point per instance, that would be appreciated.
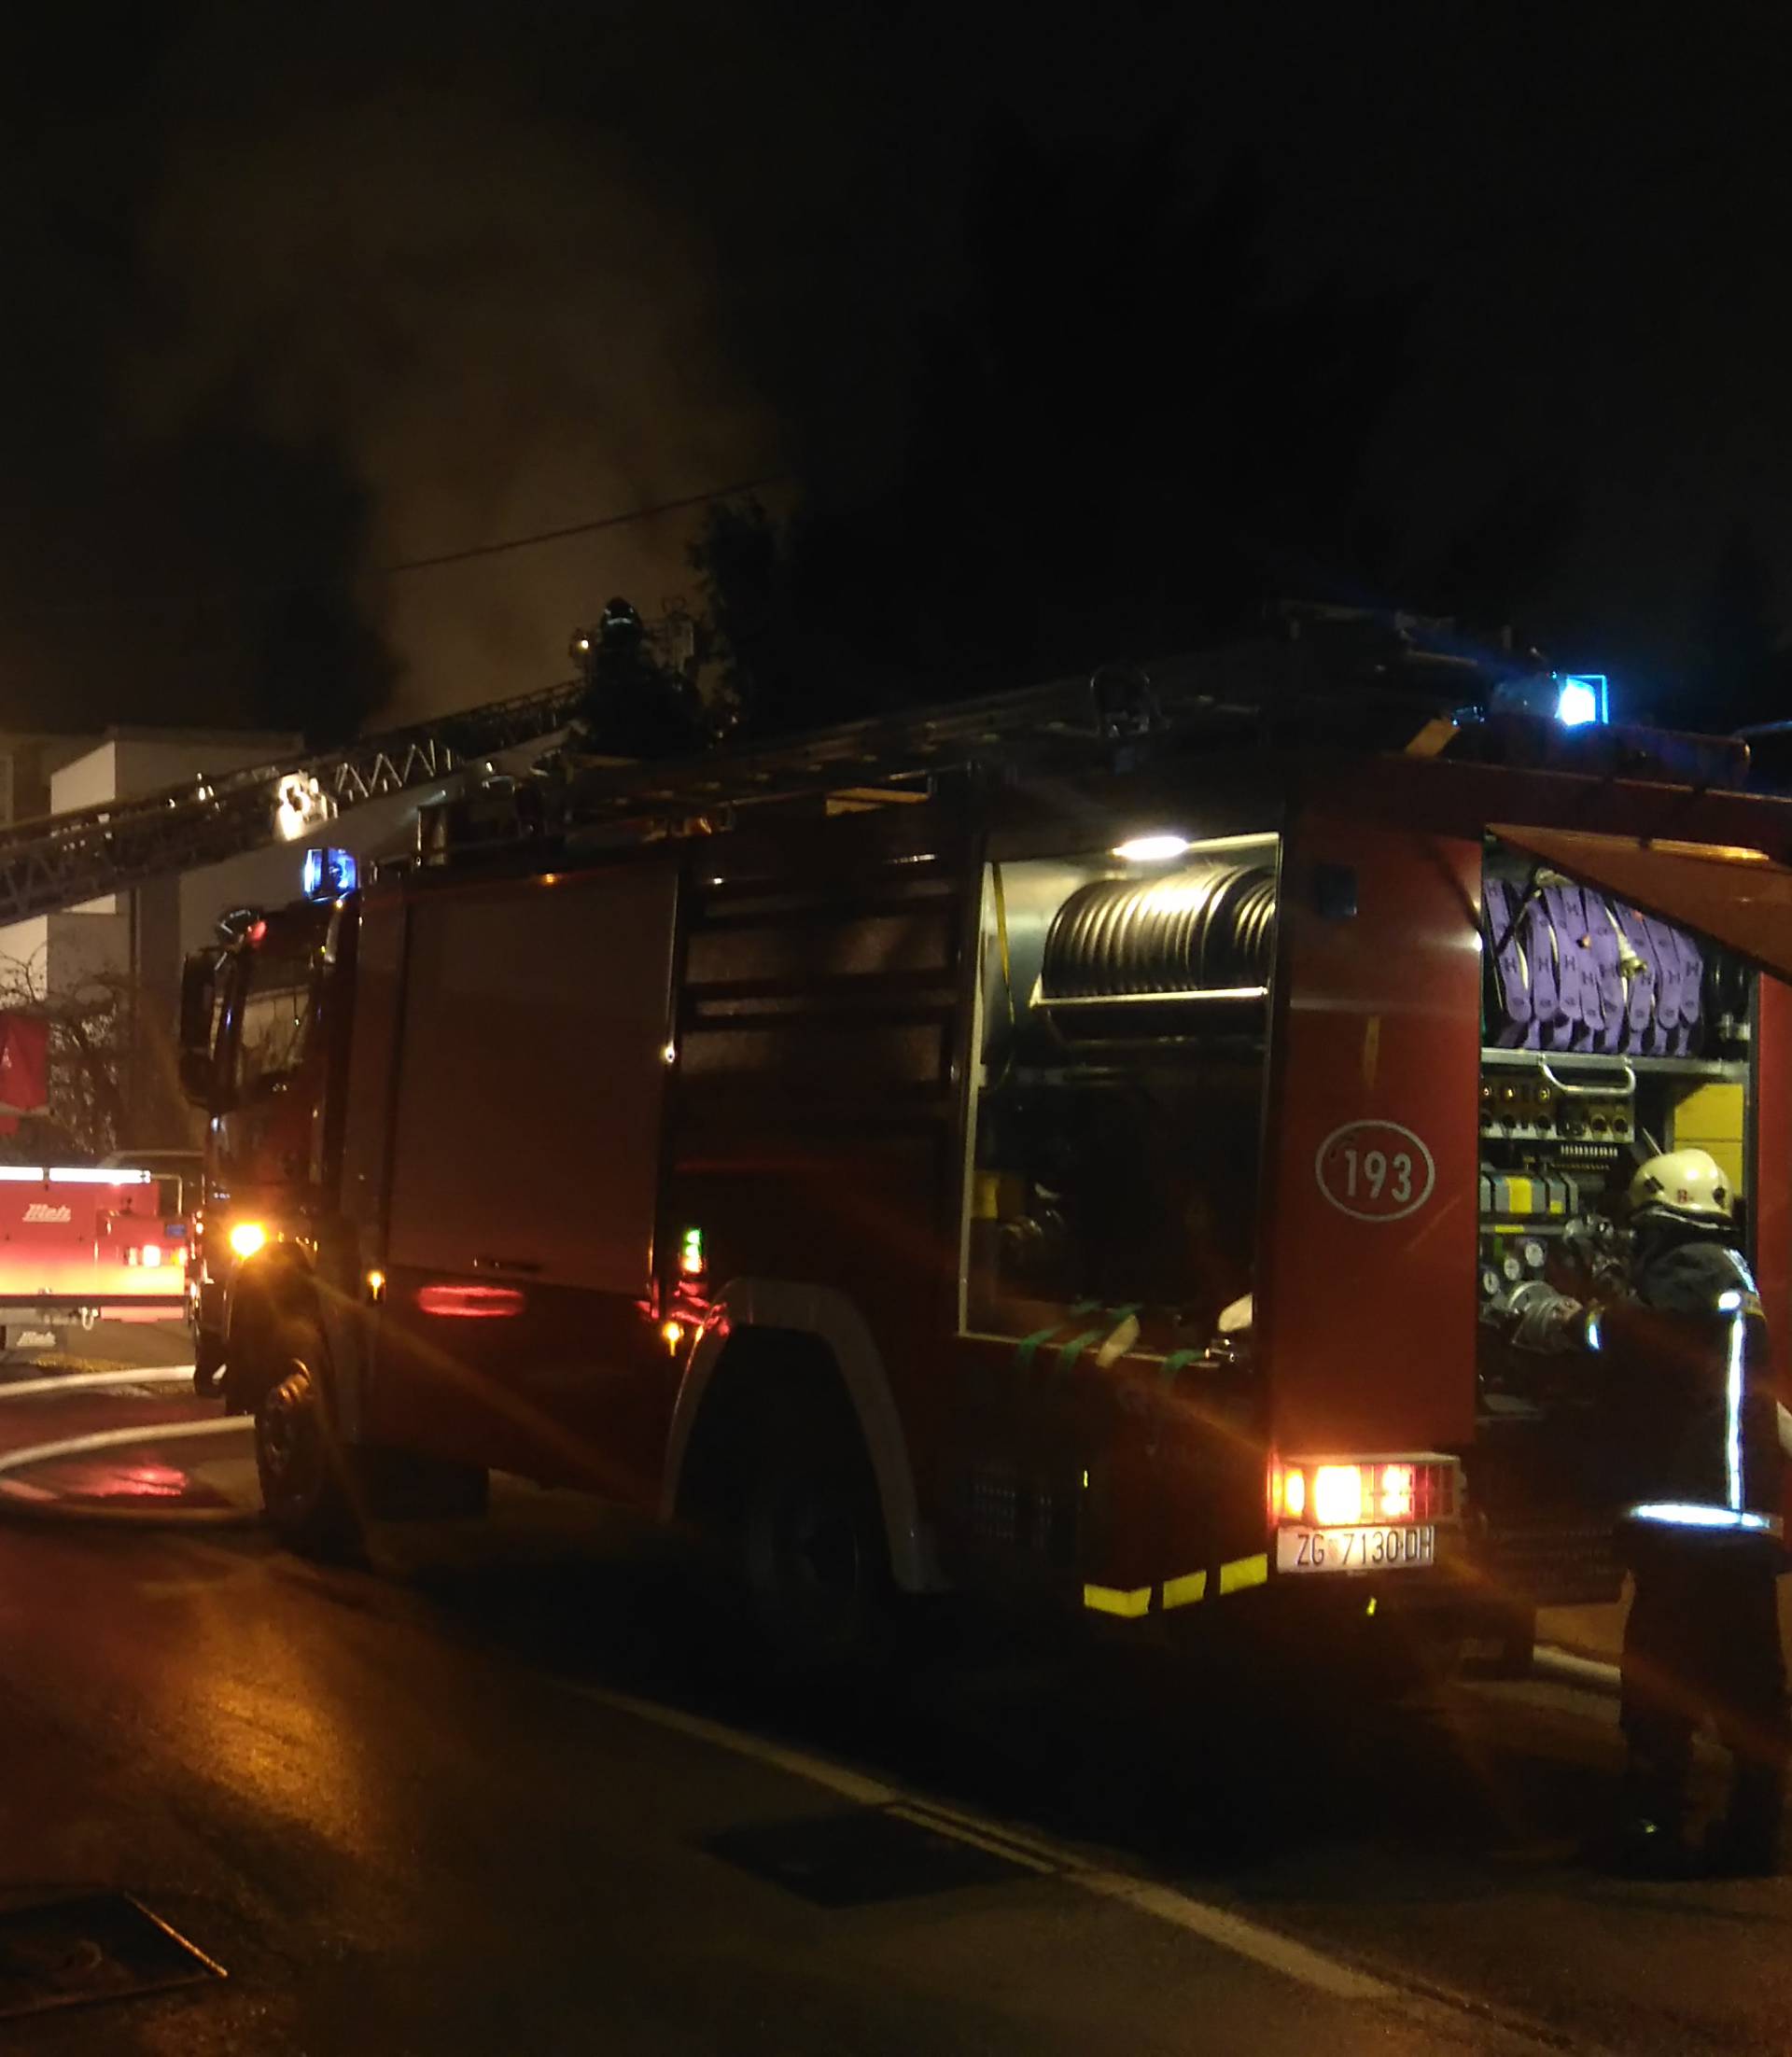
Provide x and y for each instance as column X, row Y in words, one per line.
column 835, row 1778
column 995, row 1846
column 1217, row 1925
column 1243, row 1939
column 96, row 1382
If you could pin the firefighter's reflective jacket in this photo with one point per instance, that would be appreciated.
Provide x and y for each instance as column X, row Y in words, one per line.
column 1684, row 1363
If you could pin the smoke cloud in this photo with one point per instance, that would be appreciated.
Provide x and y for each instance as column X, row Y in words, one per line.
column 494, row 324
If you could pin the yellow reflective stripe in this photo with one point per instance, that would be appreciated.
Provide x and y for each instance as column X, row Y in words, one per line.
column 1243, row 1571
column 1114, row 1599
column 1186, row 1591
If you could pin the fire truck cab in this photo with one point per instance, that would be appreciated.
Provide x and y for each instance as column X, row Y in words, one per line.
column 1061, row 1147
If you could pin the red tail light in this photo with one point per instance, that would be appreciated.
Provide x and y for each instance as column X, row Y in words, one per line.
column 1344, row 1492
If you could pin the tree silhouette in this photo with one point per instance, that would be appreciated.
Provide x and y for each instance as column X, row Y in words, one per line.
column 643, row 694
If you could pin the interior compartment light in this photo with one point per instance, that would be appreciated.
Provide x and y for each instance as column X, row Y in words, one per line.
column 1338, row 1495
column 1152, row 850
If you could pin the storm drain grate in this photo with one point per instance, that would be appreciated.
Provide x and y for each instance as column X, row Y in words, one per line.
column 857, row 1859
column 102, row 1946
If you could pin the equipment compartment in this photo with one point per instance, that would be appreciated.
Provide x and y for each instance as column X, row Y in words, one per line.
column 1608, row 1035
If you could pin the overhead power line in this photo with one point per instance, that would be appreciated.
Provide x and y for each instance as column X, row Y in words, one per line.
column 127, row 603
column 575, row 529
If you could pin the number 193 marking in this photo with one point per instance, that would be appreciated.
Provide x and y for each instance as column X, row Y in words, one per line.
column 1375, row 1170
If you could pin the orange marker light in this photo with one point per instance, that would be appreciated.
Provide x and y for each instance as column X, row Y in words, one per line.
column 673, row 1333
column 1294, row 1492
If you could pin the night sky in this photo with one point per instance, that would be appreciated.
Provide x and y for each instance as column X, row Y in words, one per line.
column 1453, row 307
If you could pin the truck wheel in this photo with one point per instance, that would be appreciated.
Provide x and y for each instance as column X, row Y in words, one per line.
column 812, row 1545
column 208, row 1361
column 1518, row 1646
column 304, row 1485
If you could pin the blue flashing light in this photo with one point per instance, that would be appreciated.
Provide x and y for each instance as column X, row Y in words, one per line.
column 327, row 873
column 1582, row 698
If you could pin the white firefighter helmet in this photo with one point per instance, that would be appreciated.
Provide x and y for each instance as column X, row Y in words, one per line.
column 1688, row 1184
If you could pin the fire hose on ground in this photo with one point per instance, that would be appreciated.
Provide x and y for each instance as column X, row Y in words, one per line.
column 1560, row 1667
column 56, row 1506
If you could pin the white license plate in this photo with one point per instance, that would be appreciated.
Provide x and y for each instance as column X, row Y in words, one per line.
column 1366, row 1549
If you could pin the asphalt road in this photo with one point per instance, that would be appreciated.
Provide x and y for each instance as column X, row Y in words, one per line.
column 499, row 1794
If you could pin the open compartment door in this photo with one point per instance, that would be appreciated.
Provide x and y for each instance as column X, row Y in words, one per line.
column 1367, row 1305
column 1737, row 896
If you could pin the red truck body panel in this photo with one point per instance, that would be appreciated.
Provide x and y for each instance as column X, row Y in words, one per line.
column 1368, row 1225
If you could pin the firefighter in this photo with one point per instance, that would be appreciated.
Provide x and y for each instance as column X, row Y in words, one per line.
column 1681, row 1348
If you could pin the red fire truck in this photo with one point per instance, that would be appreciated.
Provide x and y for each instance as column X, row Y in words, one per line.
column 77, row 1242
column 1056, row 1147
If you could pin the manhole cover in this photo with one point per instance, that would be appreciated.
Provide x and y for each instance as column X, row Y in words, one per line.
column 103, row 1945
column 853, row 1859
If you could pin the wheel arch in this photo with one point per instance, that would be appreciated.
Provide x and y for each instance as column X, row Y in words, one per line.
column 749, row 1308
column 275, row 1284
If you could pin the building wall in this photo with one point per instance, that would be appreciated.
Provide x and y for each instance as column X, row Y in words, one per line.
column 27, row 760
column 135, row 935
column 69, row 947
column 127, row 764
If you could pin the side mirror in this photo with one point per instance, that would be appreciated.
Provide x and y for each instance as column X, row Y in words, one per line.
column 198, row 1005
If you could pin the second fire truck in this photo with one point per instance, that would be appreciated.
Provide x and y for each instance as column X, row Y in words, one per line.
column 1058, row 1148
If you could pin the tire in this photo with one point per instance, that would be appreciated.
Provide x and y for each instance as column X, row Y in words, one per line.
column 305, row 1480
column 812, row 1552
column 208, row 1362
column 1518, row 1647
